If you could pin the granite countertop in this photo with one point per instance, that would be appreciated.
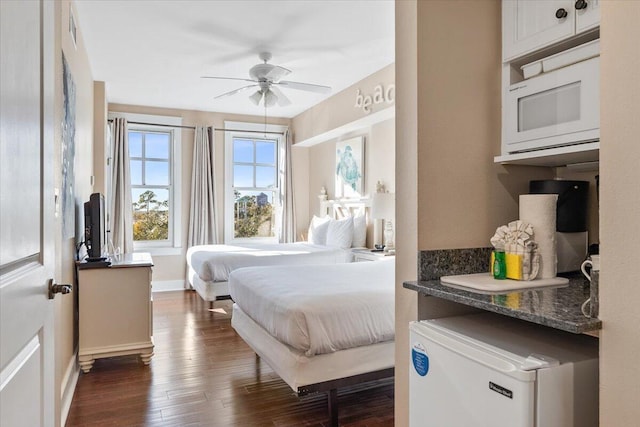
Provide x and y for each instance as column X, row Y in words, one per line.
column 554, row 307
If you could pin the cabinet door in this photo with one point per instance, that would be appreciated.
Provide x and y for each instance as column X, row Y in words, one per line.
column 529, row 25
column 588, row 16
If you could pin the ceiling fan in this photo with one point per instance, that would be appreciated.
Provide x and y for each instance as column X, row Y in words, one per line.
column 267, row 79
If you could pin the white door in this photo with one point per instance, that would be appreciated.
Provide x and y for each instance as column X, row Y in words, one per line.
column 529, row 25
column 26, row 213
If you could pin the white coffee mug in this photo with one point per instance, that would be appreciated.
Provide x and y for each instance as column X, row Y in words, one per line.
column 593, row 262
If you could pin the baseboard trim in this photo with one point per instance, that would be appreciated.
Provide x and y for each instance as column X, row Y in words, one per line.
column 167, row 285
column 69, row 382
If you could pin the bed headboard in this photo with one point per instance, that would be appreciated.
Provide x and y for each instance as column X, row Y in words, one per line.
column 343, row 208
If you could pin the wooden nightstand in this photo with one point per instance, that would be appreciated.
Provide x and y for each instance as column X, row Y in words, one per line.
column 115, row 309
column 360, row 255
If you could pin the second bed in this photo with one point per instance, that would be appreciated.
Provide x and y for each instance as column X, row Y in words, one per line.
column 319, row 327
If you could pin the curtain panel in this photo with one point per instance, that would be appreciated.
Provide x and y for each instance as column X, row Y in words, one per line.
column 202, row 217
column 288, row 215
column 120, row 207
column 202, row 207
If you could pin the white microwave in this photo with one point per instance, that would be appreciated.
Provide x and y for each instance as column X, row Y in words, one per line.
column 554, row 109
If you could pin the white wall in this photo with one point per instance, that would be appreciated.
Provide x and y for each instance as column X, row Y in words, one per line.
column 379, row 164
column 406, row 307
column 620, row 214
column 338, row 119
column 448, row 56
column 66, row 370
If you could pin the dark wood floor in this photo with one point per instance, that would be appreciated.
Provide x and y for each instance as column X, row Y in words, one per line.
column 203, row 374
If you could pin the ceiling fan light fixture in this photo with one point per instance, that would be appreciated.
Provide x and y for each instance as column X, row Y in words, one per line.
column 270, row 99
column 256, row 97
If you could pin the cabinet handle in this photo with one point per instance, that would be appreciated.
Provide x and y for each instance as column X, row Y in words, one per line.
column 581, row 4
column 561, row 13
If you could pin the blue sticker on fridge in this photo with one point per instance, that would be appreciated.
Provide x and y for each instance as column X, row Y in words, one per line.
column 420, row 359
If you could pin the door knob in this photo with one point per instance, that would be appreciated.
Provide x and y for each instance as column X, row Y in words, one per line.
column 581, row 4
column 561, row 13
column 58, row 289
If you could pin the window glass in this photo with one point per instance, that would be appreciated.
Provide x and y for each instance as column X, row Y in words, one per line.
column 265, row 176
column 242, row 151
column 254, row 215
column 156, row 173
column 151, row 185
column 157, row 145
column 242, row 176
column 135, row 144
column 265, row 151
column 150, row 213
column 254, row 186
column 135, row 167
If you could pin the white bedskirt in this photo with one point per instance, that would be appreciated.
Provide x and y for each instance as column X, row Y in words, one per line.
column 299, row 370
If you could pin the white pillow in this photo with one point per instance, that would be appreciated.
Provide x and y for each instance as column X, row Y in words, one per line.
column 340, row 233
column 318, row 228
column 359, row 231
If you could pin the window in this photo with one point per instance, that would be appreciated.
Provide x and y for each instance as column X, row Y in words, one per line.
column 252, row 193
column 154, row 162
column 150, row 165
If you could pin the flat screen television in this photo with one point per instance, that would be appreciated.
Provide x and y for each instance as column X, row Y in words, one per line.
column 95, row 235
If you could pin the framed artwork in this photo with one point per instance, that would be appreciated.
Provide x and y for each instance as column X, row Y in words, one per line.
column 349, row 178
column 68, row 151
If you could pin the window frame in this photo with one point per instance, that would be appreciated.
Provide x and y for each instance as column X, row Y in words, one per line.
column 173, row 245
column 239, row 130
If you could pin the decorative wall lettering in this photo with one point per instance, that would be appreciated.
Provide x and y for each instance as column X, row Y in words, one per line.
column 380, row 95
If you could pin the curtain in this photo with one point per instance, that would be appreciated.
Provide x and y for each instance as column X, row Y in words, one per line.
column 202, row 216
column 288, row 215
column 120, row 207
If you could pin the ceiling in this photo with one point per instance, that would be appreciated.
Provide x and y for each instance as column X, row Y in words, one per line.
column 154, row 53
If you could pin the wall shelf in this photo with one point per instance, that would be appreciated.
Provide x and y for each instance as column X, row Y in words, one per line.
column 370, row 120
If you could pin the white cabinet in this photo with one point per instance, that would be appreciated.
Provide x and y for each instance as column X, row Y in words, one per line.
column 529, row 25
column 115, row 310
column 587, row 15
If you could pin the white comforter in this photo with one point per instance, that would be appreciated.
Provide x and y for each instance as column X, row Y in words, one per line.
column 320, row 308
column 213, row 263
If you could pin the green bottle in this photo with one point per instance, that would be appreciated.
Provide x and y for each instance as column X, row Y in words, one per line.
column 499, row 264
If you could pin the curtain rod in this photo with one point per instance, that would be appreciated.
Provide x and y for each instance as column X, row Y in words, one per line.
column 193, row 127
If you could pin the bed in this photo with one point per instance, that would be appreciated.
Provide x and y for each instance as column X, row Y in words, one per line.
column 341, row 226
column 210, row 265
column 319, row 327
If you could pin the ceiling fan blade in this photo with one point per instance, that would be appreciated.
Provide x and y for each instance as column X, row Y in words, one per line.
column 233, row 92
column 282, row 100
column 228, row 78
column 305, row 86
column 276, row 73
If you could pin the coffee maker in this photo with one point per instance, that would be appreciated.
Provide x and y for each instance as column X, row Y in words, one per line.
column 572, row 238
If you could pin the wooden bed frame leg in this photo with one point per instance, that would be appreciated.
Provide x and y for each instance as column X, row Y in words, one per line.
column 332, row 402
column 210, row 305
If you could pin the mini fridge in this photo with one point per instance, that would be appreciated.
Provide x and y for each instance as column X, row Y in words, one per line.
column 491, row 370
